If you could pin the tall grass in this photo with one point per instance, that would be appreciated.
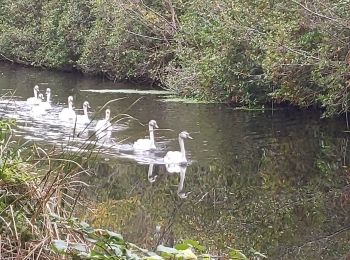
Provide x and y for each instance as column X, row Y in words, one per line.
column 34, row 186
column 39, row 192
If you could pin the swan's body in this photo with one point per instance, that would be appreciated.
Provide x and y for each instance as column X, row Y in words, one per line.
column 44, row 105
column 68, row 114
column 47, row 104
column 147, row 144
column 36, row 108
column 34, row 100
column 103, row 127
column 178, row 157
column 84, row 119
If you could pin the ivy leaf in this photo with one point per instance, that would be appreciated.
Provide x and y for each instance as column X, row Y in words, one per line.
column 168, row 250
column 194, row 244
column 60, row 246
column 79, row 247
column 237, row 255
column 182, row 246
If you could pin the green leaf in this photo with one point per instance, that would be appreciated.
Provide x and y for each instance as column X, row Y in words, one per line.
column 79, row 247
column 168, row 250
column 115, row 235
column 194, row 244
column 154, row 257
column 237, row 255
column 60, row 245
column 186, row 254
column 182, row 246
column 257, row 253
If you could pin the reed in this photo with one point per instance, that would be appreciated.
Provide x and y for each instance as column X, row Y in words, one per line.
column 39, row 193
column 35, row 186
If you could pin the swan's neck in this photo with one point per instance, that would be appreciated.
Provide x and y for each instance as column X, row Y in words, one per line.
column 182, row 180
column 70, row 106
column 150, row 171
column 35, row 93
column 151, row 136
column 182, row 148
column 48, row 98
column 85, row 111
column 107, row 117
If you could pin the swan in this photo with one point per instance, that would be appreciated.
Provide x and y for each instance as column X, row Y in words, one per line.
column 181, row 169
column 46, row 105
column 68, row 114
column 103, row 127
column 150, row 176
column 84, row 119
column 178, row 157
column 36, row 108
column 147, row 144
column 34, row 100
column 180, row 191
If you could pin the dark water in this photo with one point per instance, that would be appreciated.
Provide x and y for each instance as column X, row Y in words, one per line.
column 273, row 182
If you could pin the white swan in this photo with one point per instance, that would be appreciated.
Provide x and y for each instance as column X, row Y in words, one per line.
column 84, row 119
column 150, row 176
column 47, row 104
column 178, row 157
column 36, row 108
column 103, row 127
column 34, row 100
column 68, row 114
column 180, row 192
column 147, row 144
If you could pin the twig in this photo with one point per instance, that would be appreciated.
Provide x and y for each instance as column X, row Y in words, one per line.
column 14, row 223
column 320, row 15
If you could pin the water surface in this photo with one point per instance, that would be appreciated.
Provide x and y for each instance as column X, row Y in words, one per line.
column 273, row 182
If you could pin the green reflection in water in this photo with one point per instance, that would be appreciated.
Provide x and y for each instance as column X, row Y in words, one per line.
column 282, row 207
column 276, row 182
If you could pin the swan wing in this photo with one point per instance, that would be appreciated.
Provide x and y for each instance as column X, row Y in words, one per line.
column 103, row 125
column 143, row 144
column 45, row 105
column 173, row 157
column 82, row 120
column 33, row 101
column 67, row 115
column 172, row 168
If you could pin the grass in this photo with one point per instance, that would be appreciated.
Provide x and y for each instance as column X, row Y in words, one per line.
column 39, row 193
column 129, row 91
column 176, row 99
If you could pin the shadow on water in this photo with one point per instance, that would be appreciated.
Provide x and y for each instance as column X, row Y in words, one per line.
column 276, row 183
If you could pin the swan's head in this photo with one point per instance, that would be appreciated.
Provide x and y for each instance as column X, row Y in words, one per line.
column 48, row 91
column 185, row 135
column 86, row 104
column 70, row 99
column 36, row 88
column 153, row 123
column 41, row 96
column 183, row 195
column 108, row 113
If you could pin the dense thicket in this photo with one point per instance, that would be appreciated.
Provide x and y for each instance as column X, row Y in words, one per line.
column 244, row 51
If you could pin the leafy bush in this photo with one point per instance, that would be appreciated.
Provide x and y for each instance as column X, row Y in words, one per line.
column 246, row 52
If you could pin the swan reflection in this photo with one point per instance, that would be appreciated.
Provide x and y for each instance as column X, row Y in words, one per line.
column 171, row 168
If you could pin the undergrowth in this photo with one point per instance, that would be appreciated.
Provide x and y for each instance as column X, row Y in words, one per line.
column 39, row 192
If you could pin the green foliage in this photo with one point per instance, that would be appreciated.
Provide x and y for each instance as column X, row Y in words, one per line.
column 244, row 52
column 105, row 244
